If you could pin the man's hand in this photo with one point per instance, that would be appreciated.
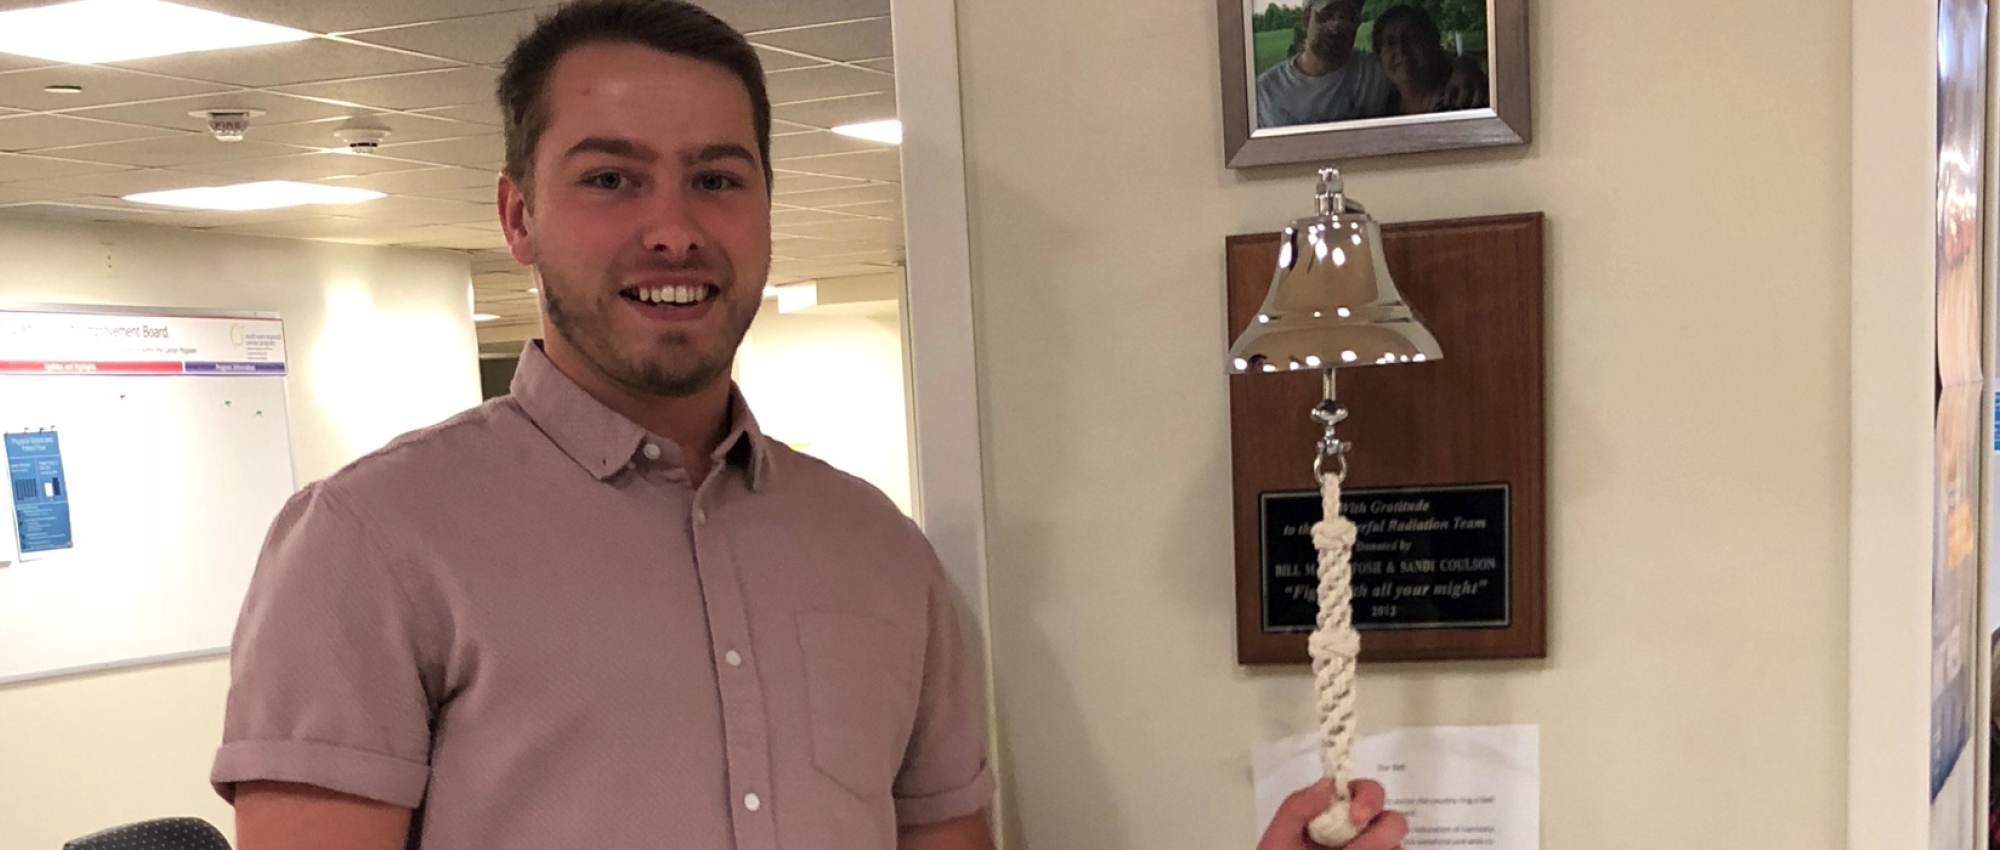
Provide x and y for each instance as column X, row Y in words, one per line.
column 1467, row 87
column 1380, row 830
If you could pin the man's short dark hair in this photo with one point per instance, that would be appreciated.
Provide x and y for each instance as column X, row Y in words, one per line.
column 669, row 26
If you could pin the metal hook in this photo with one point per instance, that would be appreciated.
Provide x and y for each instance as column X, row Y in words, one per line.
column 1330, row 413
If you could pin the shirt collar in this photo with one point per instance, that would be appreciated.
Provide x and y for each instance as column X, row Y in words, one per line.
column 603, row 441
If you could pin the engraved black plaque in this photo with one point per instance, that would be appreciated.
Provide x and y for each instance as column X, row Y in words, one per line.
column 1425, row 558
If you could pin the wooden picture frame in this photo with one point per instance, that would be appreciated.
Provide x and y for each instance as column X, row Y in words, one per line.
column 1471, row 422
column 1503, row 119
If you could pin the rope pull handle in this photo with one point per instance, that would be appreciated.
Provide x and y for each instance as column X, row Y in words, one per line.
column 1335, row 646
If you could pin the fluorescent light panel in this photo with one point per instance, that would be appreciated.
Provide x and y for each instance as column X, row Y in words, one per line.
column 95, row 31
column 888, row 132
column 265, row 195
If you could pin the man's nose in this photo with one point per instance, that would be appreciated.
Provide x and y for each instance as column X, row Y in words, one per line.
column 670, row 226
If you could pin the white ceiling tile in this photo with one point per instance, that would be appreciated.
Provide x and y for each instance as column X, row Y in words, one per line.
column 284, row 64
column 176, row 113
column 15, row 194
column 184, row 149
column 475, row 195
column 15, row 168
column 309, row 166
column 399, row 209
column 823, row 269
column 489, row 262
column 480, row 39
column 799, row 248
column 117, row 184
column 453, row 237
column 409, row 91
column 207, row 219
column 402, row 128
column 319, row 227
column 789, row 183
column 881, row 165
column 886, row 257
column 101, row 85
column 475, row 151
column 9, row 62
column 833, row 113
column 486, row 112
column 755, row 16
column 816, row 143
column 327, row 17
column 846, row 193
column 890, row 210
column 777, row 60
column 424, row 181
column 89, row 209
column 516, row 281
column 790, row 218
column 408, row 235
column 847, row 41
column 788, row 87
column 447, row 207
column 34, row 132
column 863, row 229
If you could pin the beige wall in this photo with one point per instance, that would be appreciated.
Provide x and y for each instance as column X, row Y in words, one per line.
column 1693, row 161
column 379, row 340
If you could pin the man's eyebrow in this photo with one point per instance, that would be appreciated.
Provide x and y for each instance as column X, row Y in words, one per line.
column 717, row 152
column 616, row 147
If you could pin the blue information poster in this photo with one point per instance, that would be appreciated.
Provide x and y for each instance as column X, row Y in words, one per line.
column 41, row 493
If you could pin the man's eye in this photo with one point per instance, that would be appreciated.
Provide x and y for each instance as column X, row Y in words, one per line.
column 608, row 180
column 716, row 182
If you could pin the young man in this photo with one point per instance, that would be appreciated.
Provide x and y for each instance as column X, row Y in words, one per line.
column 1328, row 80
column 605, row 611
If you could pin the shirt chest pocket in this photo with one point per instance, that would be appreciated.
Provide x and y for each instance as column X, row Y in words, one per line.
column 862, row 695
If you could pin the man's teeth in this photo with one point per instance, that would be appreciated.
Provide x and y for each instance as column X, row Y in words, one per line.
column 672, row 294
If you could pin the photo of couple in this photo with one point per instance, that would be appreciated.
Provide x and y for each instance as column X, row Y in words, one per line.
column 1329, row 61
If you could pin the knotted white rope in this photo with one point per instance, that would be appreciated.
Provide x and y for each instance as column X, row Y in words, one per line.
column 1334, row 646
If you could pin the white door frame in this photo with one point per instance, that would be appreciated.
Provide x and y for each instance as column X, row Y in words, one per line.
column 938, row 320
column 1892, row 369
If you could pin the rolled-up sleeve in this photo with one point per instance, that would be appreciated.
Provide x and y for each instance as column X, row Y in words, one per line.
column 327, row 669
column 945, row 774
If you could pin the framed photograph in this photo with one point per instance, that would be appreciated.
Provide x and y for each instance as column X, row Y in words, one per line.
column 1319, row 80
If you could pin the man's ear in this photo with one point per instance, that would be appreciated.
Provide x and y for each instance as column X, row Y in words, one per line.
column 513, row 203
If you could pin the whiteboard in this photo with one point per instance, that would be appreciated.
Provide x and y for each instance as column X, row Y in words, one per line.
column 176, row 455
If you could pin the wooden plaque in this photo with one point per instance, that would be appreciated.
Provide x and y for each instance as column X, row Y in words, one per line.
column 1447, row 456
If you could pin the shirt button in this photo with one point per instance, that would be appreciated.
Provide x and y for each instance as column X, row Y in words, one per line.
column 734, row 658
column 752, row 802
column 652, row 451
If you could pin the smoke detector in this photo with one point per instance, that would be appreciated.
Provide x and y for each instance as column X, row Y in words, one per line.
column 359, row 136
column 228, row 125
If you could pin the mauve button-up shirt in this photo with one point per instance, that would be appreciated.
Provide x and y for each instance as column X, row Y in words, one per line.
column 526, row 624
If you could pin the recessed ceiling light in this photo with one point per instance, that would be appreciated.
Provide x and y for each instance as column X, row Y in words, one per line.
column 888, row 132
column 63, row 89
column 266, row 195
column 534, row 291
column 94, row 31
column 483, row 317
